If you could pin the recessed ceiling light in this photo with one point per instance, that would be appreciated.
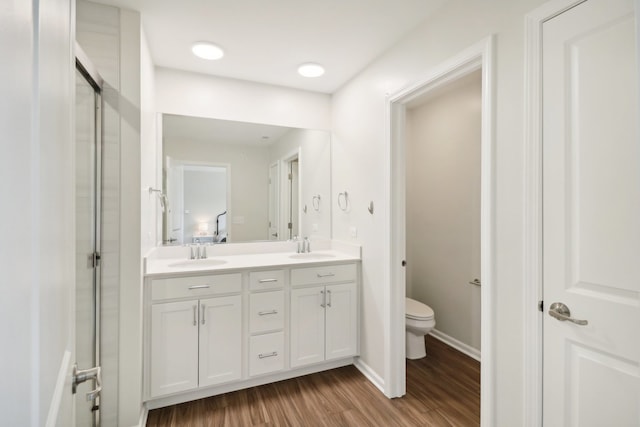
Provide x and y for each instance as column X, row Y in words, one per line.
column 311, row 69
column 206, row 50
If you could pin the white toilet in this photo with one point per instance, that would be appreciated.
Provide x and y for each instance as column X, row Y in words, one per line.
column 420, row 320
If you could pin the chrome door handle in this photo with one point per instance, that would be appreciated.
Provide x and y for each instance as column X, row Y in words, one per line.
column 80, row 376
column 264, row 313
column 267, row 280
column 324, row 299
column 562, row 313
column 329, row 298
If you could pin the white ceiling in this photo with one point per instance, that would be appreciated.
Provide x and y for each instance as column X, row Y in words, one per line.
column 266, row 40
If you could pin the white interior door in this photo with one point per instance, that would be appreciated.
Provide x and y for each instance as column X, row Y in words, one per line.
column 175, row 195
column 591, row 216
column 274, row 201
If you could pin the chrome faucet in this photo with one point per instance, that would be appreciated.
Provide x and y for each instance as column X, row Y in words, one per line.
column 306, row 245
column 197, row 251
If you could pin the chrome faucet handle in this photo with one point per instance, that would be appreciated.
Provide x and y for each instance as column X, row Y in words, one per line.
column 306, row 245
column 192, row 252
column 203, row 253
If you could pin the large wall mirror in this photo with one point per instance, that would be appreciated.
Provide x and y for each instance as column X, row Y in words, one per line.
column 228, row 181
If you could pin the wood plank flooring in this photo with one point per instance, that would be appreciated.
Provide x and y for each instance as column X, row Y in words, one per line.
column 443, row 389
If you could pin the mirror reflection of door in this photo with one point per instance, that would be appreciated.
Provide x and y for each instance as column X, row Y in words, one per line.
column 292, row 209
column 274, row 198
column 198, row 202
column 174, row 175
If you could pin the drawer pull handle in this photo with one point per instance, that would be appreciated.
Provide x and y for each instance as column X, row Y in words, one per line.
column 199, row 287
column 195, row 322
column 324, row 299
column 320, row 275
column 267, row 280
column 264, row 313
column 328, row 298
column 203, row 312
column 264, row 356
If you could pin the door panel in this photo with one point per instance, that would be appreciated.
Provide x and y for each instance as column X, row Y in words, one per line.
column 591, row 215
column 220, row 340
column 174, row 347
column 307, row 326
column 341, row 321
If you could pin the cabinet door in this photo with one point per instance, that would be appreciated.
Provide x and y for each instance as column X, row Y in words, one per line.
column 174, row 347
column 220, row 340
column 307, row 326
column 341, row 337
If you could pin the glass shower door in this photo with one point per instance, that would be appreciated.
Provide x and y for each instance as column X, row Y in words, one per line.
column 87, row 381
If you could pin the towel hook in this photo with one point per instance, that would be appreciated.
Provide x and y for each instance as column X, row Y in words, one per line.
column 343, row 201
column 316, row 203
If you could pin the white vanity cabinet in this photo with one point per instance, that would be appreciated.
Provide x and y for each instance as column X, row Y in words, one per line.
column 221, row 330
column 197, row 341
column 324, row 314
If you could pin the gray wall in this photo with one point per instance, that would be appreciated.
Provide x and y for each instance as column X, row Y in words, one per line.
column 443, row 207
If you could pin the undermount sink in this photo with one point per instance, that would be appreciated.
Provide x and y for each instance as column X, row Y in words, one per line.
column 312, row 255
column 209, row 262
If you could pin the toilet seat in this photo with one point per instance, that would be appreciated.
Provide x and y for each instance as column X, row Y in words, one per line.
column 418, row 311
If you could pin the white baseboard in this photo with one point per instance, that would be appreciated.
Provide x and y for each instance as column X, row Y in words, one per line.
column 474, row 353
column 370, row 374
column 144, row 414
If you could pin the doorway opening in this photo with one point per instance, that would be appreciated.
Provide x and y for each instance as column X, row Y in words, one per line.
column 476, row 59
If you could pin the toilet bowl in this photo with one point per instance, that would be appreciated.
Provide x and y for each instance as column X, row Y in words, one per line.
column 420, row 320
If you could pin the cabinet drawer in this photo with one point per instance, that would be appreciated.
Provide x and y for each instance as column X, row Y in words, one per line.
column 181, row 287
column 266, row 311
column 266, row 353
column 272, row 279
column 323, row 275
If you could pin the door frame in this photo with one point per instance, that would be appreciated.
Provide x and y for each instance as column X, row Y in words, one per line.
column 477, row 56
column 89, row 72
column 532, row 279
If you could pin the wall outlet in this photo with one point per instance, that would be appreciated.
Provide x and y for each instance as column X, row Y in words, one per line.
column 353, row 232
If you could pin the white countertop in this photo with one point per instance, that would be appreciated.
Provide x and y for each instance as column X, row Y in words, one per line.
column 174, row 261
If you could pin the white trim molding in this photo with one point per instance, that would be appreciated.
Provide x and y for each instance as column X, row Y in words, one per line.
column 477, row 56
column 532, row 414
column 370, row 374
column 463, row 348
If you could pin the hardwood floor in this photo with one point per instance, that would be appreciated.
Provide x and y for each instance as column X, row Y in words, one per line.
column 443, row 389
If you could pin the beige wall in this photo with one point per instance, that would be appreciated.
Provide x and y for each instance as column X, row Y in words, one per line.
column 443, row 207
